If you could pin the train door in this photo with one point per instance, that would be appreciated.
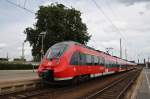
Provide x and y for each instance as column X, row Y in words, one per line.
column 75, row 62
column 89, row 62
column 117, row 65
column 102, row 64
column 106, row 65
column 80, row 63
column 78, row 67
column 83, row 68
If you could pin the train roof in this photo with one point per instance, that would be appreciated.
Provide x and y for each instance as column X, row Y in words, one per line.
column 68, row 42
column 76, row 43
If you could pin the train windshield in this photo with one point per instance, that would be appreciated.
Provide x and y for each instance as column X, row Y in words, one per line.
column 56, row 51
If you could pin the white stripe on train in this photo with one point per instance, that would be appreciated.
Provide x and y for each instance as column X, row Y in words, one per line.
column 66, row 78
column 92, row 75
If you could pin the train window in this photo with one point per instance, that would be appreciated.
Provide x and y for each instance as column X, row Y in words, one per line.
column 112, row 64
column 88, row 59
column 101, row 61
column 92, row 60
column 82, row 59
column 106, row 63
column 109, row 64
column 115, row 64
column 96, row 60
column 75, row 59
column 124, row 65
column 120, row 65
column 56, row 51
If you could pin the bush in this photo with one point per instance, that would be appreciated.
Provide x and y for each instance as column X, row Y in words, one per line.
column 16, row 66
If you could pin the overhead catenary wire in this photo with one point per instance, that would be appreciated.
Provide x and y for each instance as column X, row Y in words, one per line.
column 107, row 17
column 115, row 15
column 117, row 18
column 22, row 7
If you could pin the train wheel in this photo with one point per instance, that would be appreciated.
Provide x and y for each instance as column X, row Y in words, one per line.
column 75, row 80
column 87, row 77
column 81, row 78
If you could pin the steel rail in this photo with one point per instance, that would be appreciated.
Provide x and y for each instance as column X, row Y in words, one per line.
column 26, row 95
column 115, row 84
column 129, row 84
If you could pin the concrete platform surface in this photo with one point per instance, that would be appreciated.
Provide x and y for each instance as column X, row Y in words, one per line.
column 144, row 90
column 14, row 75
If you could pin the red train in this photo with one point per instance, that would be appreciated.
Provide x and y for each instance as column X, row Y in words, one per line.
column 73, row 61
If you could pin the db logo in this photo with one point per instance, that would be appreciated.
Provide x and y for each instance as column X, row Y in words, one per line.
column 49, row 63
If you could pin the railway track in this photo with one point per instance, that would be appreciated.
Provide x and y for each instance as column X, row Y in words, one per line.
column 51, row 90
column 117, row 89
column 68, row 92
column 26, row 94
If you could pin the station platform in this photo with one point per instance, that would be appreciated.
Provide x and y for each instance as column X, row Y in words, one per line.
column 18, row 80
column 17, row 75
column 144, row 89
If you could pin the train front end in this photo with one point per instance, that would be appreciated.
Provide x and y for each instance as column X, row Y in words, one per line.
column 53, row 63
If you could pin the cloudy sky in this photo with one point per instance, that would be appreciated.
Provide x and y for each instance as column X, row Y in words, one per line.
column 107, row 22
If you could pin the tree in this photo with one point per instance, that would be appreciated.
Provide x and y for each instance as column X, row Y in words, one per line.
column 60, row 24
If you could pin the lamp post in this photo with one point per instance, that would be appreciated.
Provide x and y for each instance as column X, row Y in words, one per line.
column 0, row 48
column 42, row 34
column 23, row 50
column 120, row 48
